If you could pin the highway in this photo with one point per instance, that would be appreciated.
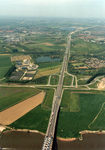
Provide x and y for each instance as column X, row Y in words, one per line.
column 48, row 141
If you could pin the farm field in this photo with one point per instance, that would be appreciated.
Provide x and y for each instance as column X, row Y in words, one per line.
column 39, row 115
column 46, row 65
column 12, row 96
column 5, row 64
column 47, row 102
column 65, row 102
column 47, row 71
column 11, row 114
column 86, row 47
column 99, row 122
column 74, row 102
column 71, row 121
column 38, row 120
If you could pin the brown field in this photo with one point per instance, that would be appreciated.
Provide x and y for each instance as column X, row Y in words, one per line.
column 46, row 73
column 48, row 44
column 20, row 57
column 82, row 92
column 4, row 54
column 13, row 113
column 63, row 45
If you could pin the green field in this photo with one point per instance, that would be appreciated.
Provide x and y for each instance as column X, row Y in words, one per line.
column 84, row 107
column 81, row 82
column 47, row 65
column 70, row 101
column 12, row 96
column 74, row 83
column 54, row 79
column 74, row 102
column 65, row 102
column 5, row 64
column 46, row 69
column 78, row 64
column 38, row 120
column 47, row 102
column 39, row 115
column 99, row 122
column 82, row 47
column 71, row 123
column 94, row 85
column 67, row 80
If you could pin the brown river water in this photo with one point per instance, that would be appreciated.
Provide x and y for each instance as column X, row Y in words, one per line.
column 34, row 141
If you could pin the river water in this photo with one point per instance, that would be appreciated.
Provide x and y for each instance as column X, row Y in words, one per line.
column 34, row 141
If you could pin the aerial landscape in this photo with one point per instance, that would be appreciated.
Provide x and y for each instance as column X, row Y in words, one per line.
column 52, row 77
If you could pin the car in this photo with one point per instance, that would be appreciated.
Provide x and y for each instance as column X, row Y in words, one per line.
column 52, row 113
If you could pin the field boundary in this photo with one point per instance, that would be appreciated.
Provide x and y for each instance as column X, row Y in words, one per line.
column 78, row 104
column 96, row 116
column 13, row 113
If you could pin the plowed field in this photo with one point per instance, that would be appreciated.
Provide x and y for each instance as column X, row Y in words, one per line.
column 13, row 113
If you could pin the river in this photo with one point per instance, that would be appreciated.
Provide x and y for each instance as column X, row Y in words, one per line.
column 34, row 141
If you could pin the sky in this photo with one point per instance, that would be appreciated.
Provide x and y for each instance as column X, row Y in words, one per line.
column 53, row 8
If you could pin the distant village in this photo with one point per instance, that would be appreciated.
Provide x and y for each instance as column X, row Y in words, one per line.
column 90, row 36
column 95, row 63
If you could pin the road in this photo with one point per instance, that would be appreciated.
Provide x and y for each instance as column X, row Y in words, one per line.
column 48, row 141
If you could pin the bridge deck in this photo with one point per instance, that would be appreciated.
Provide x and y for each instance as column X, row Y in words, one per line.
column 47, row 145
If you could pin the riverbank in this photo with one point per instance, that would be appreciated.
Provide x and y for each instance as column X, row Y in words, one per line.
column 59, row 138
column 20, row 140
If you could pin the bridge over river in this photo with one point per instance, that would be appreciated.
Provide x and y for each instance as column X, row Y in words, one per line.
column 48, row 141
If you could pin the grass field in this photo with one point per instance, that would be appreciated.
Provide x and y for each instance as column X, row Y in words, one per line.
column 54, row 79
column 47, row 71
column 5, row 64
column 74, row 83
column 81, row 82
column 78, row 64
column 67, row 80
column 39, row 115
column 38, row 120
column 74, row 102
column 98, row 122
column 71, row 123
column 82, row 47
column 94, row 85
column 47, row 102
column 12, row 96
column 65, row 102
column 70, row 101
column 45, row 65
